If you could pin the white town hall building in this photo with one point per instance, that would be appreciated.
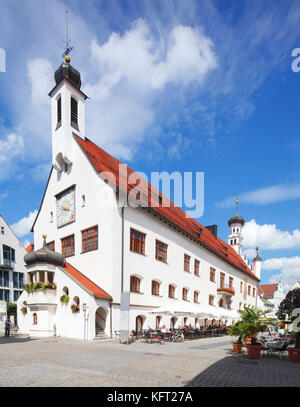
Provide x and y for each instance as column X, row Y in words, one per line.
column 102, row 241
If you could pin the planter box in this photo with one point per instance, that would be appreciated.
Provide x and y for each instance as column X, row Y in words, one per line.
column 294, row 354
column 237, row 348
column 253, row 351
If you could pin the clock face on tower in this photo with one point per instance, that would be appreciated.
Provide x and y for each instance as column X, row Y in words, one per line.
column 65, row 205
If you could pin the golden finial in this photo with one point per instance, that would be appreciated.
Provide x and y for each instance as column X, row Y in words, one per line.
column 44, row 236
column 67, row 59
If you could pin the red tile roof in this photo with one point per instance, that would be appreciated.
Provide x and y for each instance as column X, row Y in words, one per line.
column 86, row 282
column 104, row 162
column 267, row 290
column 30, row 248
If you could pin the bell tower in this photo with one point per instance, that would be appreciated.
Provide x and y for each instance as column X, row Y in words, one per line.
column 68, row 113
column 235, row 237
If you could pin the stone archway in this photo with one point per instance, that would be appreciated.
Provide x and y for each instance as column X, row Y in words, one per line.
column 100, row 319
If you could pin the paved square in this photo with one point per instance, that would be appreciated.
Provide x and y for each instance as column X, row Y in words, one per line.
column 203, row 362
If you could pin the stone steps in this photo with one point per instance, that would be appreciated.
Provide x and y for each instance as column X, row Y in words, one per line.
column 101, row 335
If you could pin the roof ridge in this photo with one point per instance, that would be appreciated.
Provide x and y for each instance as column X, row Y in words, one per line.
column 83, row 275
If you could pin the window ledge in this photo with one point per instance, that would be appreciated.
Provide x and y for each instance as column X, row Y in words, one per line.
column 91, row 250
column 141, row 254
column 136, row 292
column 161, row 261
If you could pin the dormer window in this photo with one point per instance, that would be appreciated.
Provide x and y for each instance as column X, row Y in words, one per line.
column 58, row 112
column 74, row 113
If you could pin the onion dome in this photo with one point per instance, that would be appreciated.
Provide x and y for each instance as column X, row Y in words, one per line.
column 67, row 71
column 236, row 218
column 257, row 258
column 44, row 255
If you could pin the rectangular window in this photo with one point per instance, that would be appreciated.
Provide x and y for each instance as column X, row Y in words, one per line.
column 18, row 280
column 135, row 284
column 58, row 112
column 161, row 251
column 212, row 274
column 241, row 287
column 4, row 278
column 171, row 291
column 68, row 246
column 51, row 246
column 222, row 280
column 249, row 290
column 187, row 260
column 184, row 294
column 230, row 282
column 155, row 288
column 137, row 241
column 17, row 295
column 253, row 292
column 8, row 255
column 196, row 295
column 4, row 295
column 196, row 267
column 74, row 113
column 90, row 239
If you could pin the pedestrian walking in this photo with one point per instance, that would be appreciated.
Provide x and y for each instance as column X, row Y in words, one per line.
column 7, row 326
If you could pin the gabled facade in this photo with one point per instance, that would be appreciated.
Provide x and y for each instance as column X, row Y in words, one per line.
column 119, row 244
column 271, row 295
column 12, row 266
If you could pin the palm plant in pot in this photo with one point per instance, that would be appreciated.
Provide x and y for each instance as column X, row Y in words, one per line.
column 237, row 330
column 253, row 322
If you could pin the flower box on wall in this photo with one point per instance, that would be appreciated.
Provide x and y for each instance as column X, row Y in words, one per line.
column 75, row 308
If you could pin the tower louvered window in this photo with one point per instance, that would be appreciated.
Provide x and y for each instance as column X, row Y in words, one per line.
column 58, row 112
column 74, row 113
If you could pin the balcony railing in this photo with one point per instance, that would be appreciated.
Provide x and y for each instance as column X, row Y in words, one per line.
column 7, row 264
column 226, row 289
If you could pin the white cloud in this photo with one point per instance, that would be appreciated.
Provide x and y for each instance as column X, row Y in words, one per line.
column 289, row 270
column 11, row 149
column 40, row 73
column 184, row 57
column 23, row 226
column 133, row 70
column 288, row 277
column 281, row 262
column 264, row 196
column 268, row 237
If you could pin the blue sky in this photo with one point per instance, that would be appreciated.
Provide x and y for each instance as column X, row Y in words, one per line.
column 174, row 86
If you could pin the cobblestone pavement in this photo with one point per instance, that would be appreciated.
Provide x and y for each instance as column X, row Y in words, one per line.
column 203, row 362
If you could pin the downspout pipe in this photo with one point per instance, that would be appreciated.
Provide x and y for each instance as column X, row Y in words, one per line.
column 122, row 251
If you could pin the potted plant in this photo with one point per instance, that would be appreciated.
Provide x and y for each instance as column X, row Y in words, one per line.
column 75, row 308
column 64, row 299
column 287, row 312
column 237, row 330
column 24, row 310
column 254, row 321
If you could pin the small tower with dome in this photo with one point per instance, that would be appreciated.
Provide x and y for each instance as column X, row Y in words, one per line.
column 235, row 237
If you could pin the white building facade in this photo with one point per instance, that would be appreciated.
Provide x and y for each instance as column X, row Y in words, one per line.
column 113, row 242
column 12, row 266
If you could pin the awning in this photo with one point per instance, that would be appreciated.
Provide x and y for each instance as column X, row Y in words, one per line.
column 184, row 308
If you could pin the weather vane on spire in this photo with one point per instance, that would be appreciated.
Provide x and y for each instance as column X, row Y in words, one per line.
column 68, row 48
column 237, row 203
